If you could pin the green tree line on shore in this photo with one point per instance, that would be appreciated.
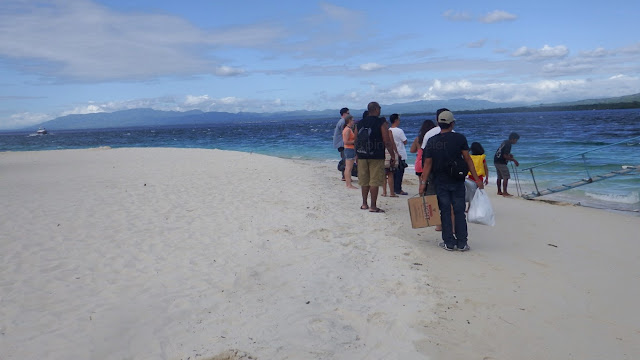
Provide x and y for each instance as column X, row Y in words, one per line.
column 602, row 106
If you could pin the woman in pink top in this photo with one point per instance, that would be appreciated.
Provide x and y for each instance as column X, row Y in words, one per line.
column 349, row 138
column 416, row 147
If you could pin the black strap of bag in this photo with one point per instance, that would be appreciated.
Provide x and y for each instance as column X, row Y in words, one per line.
column 456, row 168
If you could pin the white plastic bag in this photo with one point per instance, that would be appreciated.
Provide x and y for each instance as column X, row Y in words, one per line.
column 480, row 210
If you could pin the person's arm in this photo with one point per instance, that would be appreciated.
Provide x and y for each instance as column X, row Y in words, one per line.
column 426, row 170
column 414, row 146
column 472, row 168
column 486, row 172
column 337, row 132
column 509, row 157
column 389, row 144
column 395, row 147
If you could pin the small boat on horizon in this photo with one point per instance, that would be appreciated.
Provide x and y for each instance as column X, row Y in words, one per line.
column 42, row 131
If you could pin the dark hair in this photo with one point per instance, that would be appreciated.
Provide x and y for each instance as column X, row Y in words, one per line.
column 426, row 126
column 514, row 136
column 343, row 110
column 444, row 126
column 393, row 118
column 373, row 106
column 365, row 114
column 476, row 148
column 439, row 111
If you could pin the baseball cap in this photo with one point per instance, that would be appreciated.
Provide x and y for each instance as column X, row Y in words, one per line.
column 446, row 117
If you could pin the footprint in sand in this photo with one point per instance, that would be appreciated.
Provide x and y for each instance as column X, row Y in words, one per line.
column 232, row 354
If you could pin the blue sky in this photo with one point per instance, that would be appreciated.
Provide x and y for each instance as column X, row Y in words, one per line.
column 81, row 56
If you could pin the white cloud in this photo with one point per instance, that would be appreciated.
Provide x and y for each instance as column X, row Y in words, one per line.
column 84, row 41
column 477, row 44
column 336, row 12
column 631, row 49
column 535, row 92
column 229, row 100
column 497, row 16
column 335, row 32
column 451, row 87
column 85, row 109
column 546, row 52
column 371, row 66
column 24, row 119
column 189, row 102
column 403, row 91
column 623, row 77
column 596, row 53
column 490, row 18
column 194, row 100
column 574, row 66
column 553, row 85
column 228, row 71
column 457, row 15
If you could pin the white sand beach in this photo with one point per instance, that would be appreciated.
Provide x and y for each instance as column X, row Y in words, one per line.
column 153, row 253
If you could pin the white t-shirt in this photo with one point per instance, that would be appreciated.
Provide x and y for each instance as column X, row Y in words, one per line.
column 399, row 138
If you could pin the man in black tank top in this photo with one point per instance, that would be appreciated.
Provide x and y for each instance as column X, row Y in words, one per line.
column 371, row 164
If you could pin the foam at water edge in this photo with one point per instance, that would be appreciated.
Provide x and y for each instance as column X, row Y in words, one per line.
column 629, row 198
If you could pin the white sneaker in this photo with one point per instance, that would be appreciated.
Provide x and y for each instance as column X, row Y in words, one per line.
column 442, row 245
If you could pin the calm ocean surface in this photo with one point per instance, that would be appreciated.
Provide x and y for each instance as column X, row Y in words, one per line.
column 545, row 136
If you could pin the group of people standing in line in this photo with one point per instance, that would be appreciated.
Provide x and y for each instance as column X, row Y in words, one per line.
column 344, row 140
column 437, row 147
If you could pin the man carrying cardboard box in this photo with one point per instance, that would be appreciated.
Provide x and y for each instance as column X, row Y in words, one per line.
column 447, row 155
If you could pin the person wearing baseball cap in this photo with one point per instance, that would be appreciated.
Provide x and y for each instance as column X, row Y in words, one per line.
column 443, row 153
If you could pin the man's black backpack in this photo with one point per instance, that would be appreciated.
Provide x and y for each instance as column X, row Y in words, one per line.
column 458, row 168
column 364, row 144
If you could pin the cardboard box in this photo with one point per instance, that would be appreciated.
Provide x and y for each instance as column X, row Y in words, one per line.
column 424, row 211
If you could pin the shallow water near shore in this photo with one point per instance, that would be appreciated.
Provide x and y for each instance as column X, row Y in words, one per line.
column 545, row 136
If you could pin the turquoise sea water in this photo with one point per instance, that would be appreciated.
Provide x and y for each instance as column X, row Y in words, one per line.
column 545, row 136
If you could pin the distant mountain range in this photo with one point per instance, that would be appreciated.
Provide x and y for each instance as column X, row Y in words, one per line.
column 150, row 117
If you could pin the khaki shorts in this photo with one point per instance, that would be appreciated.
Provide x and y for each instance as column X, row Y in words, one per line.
column 370, row 172
column 503, row 171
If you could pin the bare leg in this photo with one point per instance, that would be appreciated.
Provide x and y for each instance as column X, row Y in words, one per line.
column 347, row 171
column 390, row 181
column 365, row 195
column 374, row 197
column 384, row 185
column 499, row 183
column 504, row 188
